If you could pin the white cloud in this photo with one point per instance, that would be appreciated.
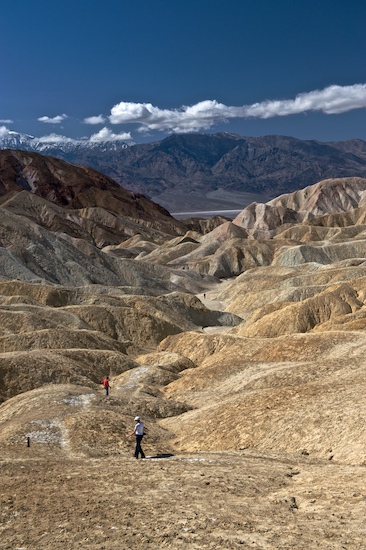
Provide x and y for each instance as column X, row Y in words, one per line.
column 100, row 119
column 332, row 100
column 4, row 132
column 205, row 114
column 56, row 138
column 54, row 120
column 6, row 121
column 106, row 134
column 187, row 119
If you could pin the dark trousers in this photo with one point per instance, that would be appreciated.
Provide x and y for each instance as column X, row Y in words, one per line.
column 138, row 449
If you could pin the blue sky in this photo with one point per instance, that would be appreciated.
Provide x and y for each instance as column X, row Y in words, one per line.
column 142, row 69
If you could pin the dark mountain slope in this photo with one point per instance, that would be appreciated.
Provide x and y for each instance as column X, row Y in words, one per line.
column 270, row 164
column 77, row 187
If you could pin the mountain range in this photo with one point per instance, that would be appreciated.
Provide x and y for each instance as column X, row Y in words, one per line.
column 195, row 172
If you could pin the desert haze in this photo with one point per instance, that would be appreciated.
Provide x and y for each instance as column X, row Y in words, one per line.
column 241, row 344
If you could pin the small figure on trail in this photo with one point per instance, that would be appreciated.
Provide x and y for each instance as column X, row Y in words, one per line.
column 106, row 385
column 139, row 432
column 204, row 295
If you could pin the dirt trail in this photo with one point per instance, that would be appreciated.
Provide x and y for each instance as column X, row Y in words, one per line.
column 209, row 299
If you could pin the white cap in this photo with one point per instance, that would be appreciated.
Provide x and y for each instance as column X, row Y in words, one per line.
column 137, row 418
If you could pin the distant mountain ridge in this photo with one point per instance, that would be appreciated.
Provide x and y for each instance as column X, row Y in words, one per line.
column 202, row 171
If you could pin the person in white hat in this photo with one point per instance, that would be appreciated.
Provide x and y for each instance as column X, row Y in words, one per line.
column 139, row 432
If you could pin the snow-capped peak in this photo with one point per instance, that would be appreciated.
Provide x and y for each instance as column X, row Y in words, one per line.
column 53, row 142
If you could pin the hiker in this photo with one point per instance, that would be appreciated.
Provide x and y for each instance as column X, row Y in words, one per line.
column 139, row 432
column 106, row 385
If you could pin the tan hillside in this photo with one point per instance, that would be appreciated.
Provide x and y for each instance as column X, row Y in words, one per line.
column 299, row 393
column 327, row 196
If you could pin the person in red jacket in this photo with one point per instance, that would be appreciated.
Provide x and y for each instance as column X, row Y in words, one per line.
column 106, row 385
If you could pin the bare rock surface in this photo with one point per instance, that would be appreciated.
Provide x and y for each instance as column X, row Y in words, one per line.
column 74, row 335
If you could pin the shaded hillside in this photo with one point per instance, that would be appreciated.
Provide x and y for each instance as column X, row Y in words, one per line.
column 77, row 187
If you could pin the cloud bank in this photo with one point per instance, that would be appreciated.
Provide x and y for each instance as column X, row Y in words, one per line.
column 106, row 134
column 54, row 120
column 56, row 138
column 205, row 114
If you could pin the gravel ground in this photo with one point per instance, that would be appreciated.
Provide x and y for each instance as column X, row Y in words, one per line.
column 206, row 500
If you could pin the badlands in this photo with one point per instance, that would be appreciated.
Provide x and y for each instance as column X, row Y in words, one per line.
column 241, row 344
